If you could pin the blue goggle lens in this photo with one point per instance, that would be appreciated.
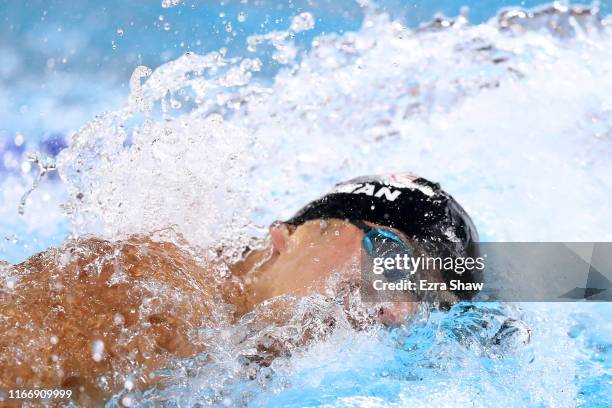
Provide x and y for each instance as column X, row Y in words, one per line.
column 380, row 243
column 377, row 238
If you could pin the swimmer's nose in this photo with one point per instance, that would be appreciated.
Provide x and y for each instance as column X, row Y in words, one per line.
column 279, row 234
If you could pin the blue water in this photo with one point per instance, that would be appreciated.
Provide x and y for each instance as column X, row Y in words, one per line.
column 63, row 63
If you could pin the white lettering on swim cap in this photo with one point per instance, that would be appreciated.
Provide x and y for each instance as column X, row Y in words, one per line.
column 390, row 181
column 367, row 189
column 388, row 193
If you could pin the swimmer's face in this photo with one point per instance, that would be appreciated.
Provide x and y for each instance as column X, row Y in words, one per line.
column 317, row 256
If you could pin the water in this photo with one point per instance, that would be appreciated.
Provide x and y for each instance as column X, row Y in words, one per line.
column 512, row 116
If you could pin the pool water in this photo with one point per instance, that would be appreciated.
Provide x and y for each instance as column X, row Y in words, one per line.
column 216, row 120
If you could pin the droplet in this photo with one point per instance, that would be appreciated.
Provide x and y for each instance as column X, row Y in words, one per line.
column 120, row 32
column 118, row 319
column 167, row 26
column 97, row 350
column 228, row 27
column 54, row 340
column 128, row 384
column 302, row 22
column 127, row 401
column 19, row 139
column 241, row 17
column 170, row 3
column 175, row 104
column 26, row 167
column 10, row 283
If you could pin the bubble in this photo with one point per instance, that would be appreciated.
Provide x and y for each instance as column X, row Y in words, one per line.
column 127, row 401
column 118, row 319
column 128, row 384
column 10, row 283
column 97, row 350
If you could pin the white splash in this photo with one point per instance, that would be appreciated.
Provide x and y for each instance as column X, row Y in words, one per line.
column 513, row 117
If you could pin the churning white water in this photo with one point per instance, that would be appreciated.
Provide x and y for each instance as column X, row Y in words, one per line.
column 512, row 117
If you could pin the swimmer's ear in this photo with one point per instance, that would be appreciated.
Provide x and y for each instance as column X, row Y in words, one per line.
column 279, row 234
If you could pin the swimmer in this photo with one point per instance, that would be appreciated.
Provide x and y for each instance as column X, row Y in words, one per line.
column 97, row 317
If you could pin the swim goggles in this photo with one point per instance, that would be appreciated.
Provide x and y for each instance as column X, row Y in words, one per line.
column 382, row 243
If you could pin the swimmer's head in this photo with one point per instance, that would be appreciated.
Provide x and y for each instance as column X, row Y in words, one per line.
column 420, row 210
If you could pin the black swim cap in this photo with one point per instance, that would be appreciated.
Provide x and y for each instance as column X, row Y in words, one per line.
column 413, row 205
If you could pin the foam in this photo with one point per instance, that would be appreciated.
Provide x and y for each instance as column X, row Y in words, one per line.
column 513, row 117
